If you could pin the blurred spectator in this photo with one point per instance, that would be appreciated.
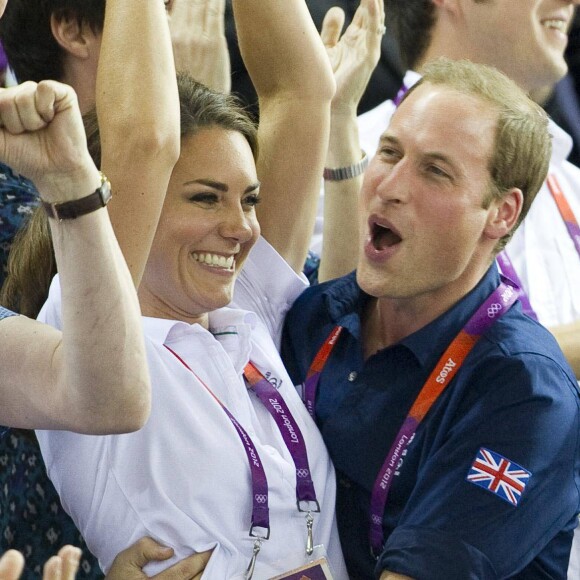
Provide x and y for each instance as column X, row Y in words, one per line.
column 3, row 66
column 573, row 52
column 563, row 105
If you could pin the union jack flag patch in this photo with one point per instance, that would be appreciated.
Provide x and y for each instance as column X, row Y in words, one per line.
column 499, row 475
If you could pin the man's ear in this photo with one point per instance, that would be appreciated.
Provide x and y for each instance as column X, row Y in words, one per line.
column 72, row 35
column 504, row 214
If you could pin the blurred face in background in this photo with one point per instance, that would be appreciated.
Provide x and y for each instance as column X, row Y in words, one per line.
column 525, row 39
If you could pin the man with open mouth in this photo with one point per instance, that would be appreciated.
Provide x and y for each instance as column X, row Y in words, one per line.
column 452, row 417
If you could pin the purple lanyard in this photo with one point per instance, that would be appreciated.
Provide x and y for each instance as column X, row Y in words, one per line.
column 495, row 306
column 260, row 510
column 275, row 404
column 400, row 94
column 572, row 227
column 290, row 431
column 507, row 268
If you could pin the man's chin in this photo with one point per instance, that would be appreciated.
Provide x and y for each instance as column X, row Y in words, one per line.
column 371, row 283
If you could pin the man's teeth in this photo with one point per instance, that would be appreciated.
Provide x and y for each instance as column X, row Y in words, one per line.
column 557, row 24
column 214, row 260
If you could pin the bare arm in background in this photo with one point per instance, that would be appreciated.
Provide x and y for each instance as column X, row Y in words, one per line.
column 568, row 337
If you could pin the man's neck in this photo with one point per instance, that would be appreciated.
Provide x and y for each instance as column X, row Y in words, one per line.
column 386, row 321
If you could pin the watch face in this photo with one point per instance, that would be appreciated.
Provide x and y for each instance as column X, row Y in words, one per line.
column 105, row 190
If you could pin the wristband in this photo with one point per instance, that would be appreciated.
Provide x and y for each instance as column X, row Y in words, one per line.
column 75, row 208
column 342, row 173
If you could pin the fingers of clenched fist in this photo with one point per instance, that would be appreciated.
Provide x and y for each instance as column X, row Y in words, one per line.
column 31, row 106
column 18, row 112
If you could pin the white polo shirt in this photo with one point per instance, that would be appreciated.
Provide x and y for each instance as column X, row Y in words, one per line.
column 542, row 250
column 184, row 478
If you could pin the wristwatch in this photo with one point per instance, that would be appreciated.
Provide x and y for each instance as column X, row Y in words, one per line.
column 342, row 173
column 75, row 208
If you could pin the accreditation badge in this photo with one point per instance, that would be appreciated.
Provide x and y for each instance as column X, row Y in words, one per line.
column 315, row 568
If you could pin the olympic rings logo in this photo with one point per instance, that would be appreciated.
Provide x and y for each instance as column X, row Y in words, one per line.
column 261, row 498
column 302, row 473
column 493, row 310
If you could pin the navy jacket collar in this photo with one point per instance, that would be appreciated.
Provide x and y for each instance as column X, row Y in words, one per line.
column 345, row 302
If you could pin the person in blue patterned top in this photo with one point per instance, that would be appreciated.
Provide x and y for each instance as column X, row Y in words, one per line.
column 18, row 197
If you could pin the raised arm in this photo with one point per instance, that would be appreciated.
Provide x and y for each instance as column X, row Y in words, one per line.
column 92, row 378
column 138, row 110
column 287, row 63
column 354, row 57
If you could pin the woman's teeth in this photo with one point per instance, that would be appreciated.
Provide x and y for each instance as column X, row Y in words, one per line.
column 214, row 260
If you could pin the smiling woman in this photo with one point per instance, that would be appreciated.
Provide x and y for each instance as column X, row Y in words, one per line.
column 207, row 228
column 208, row 224
column 208, row 362
column 198, row 357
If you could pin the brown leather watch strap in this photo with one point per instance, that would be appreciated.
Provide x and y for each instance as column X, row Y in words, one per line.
column 69, row 210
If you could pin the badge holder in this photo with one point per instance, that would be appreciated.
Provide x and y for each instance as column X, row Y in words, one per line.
column 313, row 567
